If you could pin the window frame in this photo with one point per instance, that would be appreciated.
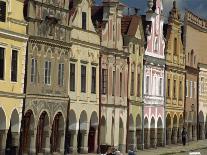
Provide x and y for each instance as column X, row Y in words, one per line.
column 83, row 78
column 47, row 72
column 14, row 67
column 93, row 79
column 61, row 69
column 72, row 77
column 3, row 64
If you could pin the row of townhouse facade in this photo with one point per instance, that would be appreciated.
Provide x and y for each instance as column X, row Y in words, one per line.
column 75, row 77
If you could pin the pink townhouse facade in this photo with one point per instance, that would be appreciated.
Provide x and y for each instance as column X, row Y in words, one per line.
column 154, row 76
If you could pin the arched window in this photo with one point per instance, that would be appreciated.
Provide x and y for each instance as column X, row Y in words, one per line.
column 191, row 57
column 175, row 46
column 156, row 44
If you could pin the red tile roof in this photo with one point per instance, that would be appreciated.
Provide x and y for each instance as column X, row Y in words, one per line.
column 129, row 24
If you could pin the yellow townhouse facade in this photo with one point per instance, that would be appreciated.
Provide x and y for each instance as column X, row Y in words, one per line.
column 13, row 42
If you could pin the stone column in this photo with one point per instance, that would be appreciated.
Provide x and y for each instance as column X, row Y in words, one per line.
column 179, row 140
column 32, row 143
column 203, row 132
column 174, row 135
column 132, row 140
column 168, row 136
column 139, row 138
column 96, row 141
column 160, row 137
column 73, row 142
column 62, row 141
column 15, row 143
column 189, row 138
column 84, row 142
column 146, row 138
column 194, row 133
column 153, row 139
column 46, row 142
column 3, row 137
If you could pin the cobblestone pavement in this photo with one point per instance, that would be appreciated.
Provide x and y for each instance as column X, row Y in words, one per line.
column 201, row 151
column 176, row 149
column 195, row 146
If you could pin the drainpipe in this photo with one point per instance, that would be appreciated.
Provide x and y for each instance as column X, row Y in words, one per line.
column 164, row 89
column 100, row 86
column 23, row 107
column 198, row 88
column 143, row 103
column 184, row 112
column 67, row 128
column 127, row 136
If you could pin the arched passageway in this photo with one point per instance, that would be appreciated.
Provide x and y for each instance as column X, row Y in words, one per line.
column 57, row 135
column 82, row 138
column 160, row 133
column 174, row 129
column 131, row 134
column 28, row 137
column 3, row 132
column 146, row 134
column 168, row 129
column 121, row 135
column 12, row 142
column 153, row 136
column 139, row 132
column 43, row 132
column 93, row 133
column 201, row 126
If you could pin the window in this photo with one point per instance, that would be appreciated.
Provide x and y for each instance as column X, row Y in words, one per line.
column 195, row 89
column 34, row 70
column 174, row 89
column 202, row 85
column 93, row 80
column 134, row 48
column 175, row 46
column 186, row 88
column 138, row 85
column 180, row 90
column 2, row 11
column 104, row 81
column 191, row 89
column 120, row 84
column 160, row 87
column 113, row 85
column 61, row 74
column 84, row 20
column 132, row 84
column 194, row 60
column 2, row 63
column 168, row 87
column 72, row 77
column 156, row 44
column 83, row 78
column 14, row 65
column 47, row 72
column 147, row 85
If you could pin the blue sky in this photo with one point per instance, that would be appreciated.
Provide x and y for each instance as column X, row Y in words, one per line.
column 199, row 7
